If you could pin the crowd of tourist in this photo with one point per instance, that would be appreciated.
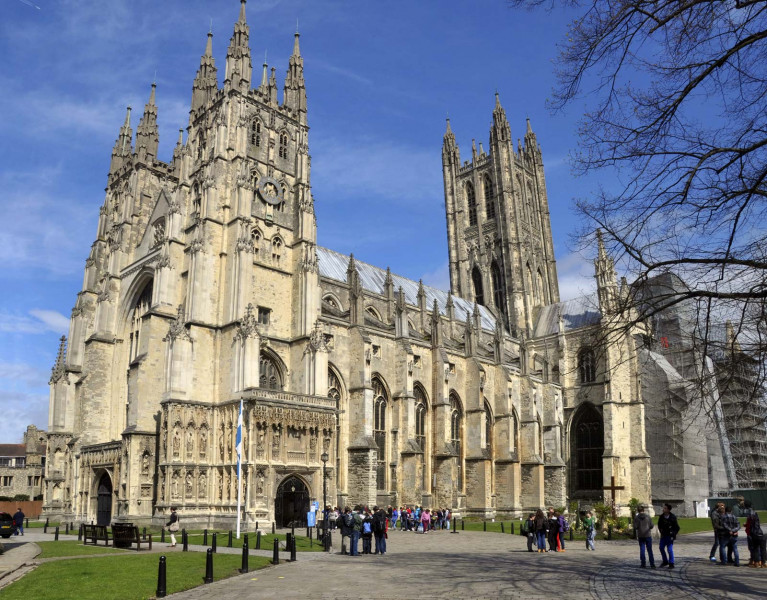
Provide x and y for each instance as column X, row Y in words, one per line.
column 726, row 534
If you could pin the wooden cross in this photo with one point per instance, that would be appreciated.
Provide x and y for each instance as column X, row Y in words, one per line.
column 612, row 487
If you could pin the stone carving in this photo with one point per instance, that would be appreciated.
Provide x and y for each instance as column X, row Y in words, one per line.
column 221, row 444
column 203, row 441
column 145, row 463
column 177, row 328
column 260, row 482
column 248, row 327
column 174, row 485
column 220, row 487
column 317, row 340
column 190, row 440
column 189, row 484
column 176, row 443
column 202, row 485
column 276, row 441
column 161, row 485
column 227, row 486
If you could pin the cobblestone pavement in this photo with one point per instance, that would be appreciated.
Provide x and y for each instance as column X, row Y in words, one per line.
column 443, row 566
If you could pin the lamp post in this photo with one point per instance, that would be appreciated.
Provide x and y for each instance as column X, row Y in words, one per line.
column 324, row 458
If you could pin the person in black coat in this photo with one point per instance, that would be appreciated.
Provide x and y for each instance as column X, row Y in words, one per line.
column 668, row 527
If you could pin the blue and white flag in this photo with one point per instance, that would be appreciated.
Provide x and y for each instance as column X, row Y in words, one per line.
column 238, row 448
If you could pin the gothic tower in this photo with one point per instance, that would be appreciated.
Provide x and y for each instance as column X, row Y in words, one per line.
column 499, row 230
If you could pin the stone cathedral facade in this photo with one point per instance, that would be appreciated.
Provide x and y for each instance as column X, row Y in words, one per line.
column 205, row 286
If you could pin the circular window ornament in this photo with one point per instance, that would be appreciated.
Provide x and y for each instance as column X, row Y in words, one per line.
column 270, row 191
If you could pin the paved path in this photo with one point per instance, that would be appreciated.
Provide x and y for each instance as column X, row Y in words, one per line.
column 442, row 566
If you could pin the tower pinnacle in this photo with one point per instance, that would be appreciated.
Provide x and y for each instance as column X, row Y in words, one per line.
column 239, row 69
column 295, row 89
column 147, row 132
column 206, row 81
column 123, row 147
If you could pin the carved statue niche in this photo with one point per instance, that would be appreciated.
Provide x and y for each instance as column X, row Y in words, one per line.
column 174, row 485
column 276, row 439
column 164, row 438
column 245, row 428
column 260, row 439
column 176, row 442
column 229, row 437
column 220, row 486
column 145, row 463
column 260, row 482
column 189, row 484
column 227, row 486
column 161, row 485
column 203, row 441
column 190, row 440
column 221, row 444
column 202, row 486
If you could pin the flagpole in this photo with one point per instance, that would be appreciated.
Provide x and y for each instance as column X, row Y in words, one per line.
column 239, row 468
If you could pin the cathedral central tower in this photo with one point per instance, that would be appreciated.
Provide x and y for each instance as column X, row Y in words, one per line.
column 498, row 225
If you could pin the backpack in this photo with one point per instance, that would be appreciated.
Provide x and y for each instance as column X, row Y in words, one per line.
column 379, row 525
column 366, row 527
column 357, row 522
column 526, row 527
column 565, row 525
column 349, row 520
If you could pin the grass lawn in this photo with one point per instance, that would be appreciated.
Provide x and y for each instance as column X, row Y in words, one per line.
column 267, row 541
column 73, row 548
column 128, row 576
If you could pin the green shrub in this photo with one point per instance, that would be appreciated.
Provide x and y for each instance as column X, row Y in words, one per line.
column 21, row 497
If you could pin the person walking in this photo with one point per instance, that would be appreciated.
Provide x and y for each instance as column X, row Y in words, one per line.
column 425, row 520
column 528, row 530
column 715, row 517
column 729, row 536
column 563, row 528
column 172, row 526
column 590, row 524
column 380, row 526
column 541, row 527
column 18, row 521
column 758, row 541
column 668, row 526
column 643, row 526
column 553, row 528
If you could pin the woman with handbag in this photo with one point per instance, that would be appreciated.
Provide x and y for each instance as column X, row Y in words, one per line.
column 172, row 526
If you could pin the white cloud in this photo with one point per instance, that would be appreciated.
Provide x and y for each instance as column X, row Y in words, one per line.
column 37, row 321
column 576, row 276
column 19, row 410
column 439, row 277
column 21, row 373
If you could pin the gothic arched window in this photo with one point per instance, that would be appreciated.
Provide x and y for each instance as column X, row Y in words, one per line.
column 255, row 239
column 541, row 287
column 334, row 386
column 276, row 248
column 420, row 417
column 255, row 134
column 456, row 435
column 471, row 200
column 488, row 429
column 530, row 205
column 140, row 308
column 380, row 402
column 587, row 368
column 499, row 295
column 196, row 200
column 476, row 278
column 283, row 150
column 588, row 445
column 200, row 146
column 269, row 373
column 489, row 199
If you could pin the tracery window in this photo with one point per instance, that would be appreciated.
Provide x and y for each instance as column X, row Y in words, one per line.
column 587, row 370
column 476, row 278
column 283, row 150
column 499, row 295
column 489, row 199
column 456, row 435
column 269, row 374
column 200, row 146
column 255, row 133
column 140, row 308
column 420, row 417
column 334, row 386
column 588, row 446
column 255, row 239
column 276, row 248
column 196, row 201
column 331, row 301
column 380, row 402
column 471, row 200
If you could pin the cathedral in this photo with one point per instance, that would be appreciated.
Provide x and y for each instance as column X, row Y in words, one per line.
column 205, row 287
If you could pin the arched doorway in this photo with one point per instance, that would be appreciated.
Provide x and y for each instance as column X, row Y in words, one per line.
column 292, row 503
column 104, row 501
column 588, row 446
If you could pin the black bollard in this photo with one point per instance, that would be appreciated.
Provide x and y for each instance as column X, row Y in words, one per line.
column 150, row 541
column 161, row 585
column 27, row 521
column 209, row 565
column 609, row 532
column 185, row 540
column 162, row 535
column 45, row 527
column 308, row 531
column 512, row 528
column 213, row 543
column 56, row 537
column 328, row 541
column 256, row 525
column 484, row 525
column 455, row 526
column 288, row 541
column 46, row 522
column 258, row 540
column 462, row 523
column 502, row 529
column 276, row 552
column 293, row 530
column 66, row 528
column 145, row 534
column 293, row 548
column 274, row 529
column 571, row 534
column 229, row 542
column 205, row 537
column 80, row 533
column 244, row 567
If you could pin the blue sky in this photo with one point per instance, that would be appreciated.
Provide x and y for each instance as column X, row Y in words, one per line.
column 381, row 77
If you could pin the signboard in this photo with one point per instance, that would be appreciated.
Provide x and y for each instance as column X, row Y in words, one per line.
column 315, row 505
column 311, row 519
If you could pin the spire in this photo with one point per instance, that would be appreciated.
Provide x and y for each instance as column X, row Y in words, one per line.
column 449, row 147
column 177, row 151
column 264, row 76
column 473, row 150
column 239, row 69
column 123, row 148
column 147, row 132
column 529, row 129
column 481, row 149
column 607, row 280
column 500, row 131
column 295, row 89
column 273, row 87
column 58, row 370
column 206, row 81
